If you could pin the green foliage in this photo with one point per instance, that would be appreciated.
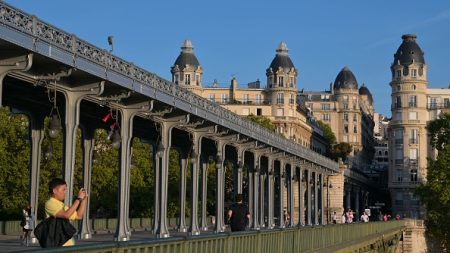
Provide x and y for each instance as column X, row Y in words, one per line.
column 15, row 167
column 14, row 160
column 439, row 130
column 341, row 150
column 263, row 121
column 329, row 136
column 435, row 194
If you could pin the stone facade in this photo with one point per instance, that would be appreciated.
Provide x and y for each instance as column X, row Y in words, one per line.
column 349, row 112
column 413, row 105
column 277, row 101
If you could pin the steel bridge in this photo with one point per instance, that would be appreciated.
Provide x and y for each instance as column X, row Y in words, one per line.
column 87, row 82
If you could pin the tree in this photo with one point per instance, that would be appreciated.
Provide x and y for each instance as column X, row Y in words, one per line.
column 439, row 131
column 329, row 136
column 341, row 150
column 14, row 157
column 262, row 121
column 435, row 194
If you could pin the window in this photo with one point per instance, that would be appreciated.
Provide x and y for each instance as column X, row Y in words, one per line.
column 346, row 117
column 355, row 129
column 280, row 112
column 413, row 136
column 412, row 115
column 398, row 102
column 212, row 97
column 346, row 129
column 399, row 156
column 355, row 138
column 257, row 99
column 197, row 80
column 258, row 111
column 412, row 101
column 446, row 103
column 176, row 78
column 224, row 98
column 398, row 136
column 291, row 81
column 355, row 117
column 345, row 105
column 433, row 103
column 413, row 173
column 325, row 107
column 291, row 99
column 414, row 72
column 245, row 98
column 413, row 154
column 326, row 117
column 399, row 73
column 280, row 98
column 398, row 115
column 345, row 138
column 280, row 81
column 187, row 79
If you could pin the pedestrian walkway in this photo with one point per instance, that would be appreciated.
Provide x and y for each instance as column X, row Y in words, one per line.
column 12, row 243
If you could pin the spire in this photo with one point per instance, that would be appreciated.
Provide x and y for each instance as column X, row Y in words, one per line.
column 187, row 47
column 282, row 49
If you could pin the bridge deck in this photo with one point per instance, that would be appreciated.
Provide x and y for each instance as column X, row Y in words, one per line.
column 307, row 239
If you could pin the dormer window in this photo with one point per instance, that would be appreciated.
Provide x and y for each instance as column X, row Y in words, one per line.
column 280, row 81
column 414, row 72
column 187, row 79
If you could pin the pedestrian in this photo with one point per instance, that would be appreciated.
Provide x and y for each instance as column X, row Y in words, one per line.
column 287, row 217
column 54, row 207
column 343, row 218
column 238, row 215
column 27, row 225
column 397, row 217
column 365, row 217
column 334, row 218
column 385, row 217
column 349, row 216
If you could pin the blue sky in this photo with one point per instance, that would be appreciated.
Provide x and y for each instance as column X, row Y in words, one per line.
column 239, row 38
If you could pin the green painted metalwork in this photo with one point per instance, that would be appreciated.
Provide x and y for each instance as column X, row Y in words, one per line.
column 308, row 239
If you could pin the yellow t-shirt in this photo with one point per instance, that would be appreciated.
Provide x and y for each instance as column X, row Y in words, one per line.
column 52, row 207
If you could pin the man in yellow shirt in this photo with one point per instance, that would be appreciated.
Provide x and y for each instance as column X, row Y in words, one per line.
column 55, row 207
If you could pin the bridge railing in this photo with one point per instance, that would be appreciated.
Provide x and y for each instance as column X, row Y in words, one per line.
column 306, row 239
column 37, row 36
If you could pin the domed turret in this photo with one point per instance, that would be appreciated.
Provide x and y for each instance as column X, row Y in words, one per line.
column 187, row 56
column 282, row 73
column 364, row 91
column 282, row 59
column 409, row 51
column 345, row 80
column 186, row 71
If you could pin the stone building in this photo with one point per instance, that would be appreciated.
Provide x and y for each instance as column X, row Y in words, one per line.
column 349, row 112
column 413, row 105
column 276, row 101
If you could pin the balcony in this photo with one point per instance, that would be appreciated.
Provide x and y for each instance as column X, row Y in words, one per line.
column 412, row 104
column 445, row 105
